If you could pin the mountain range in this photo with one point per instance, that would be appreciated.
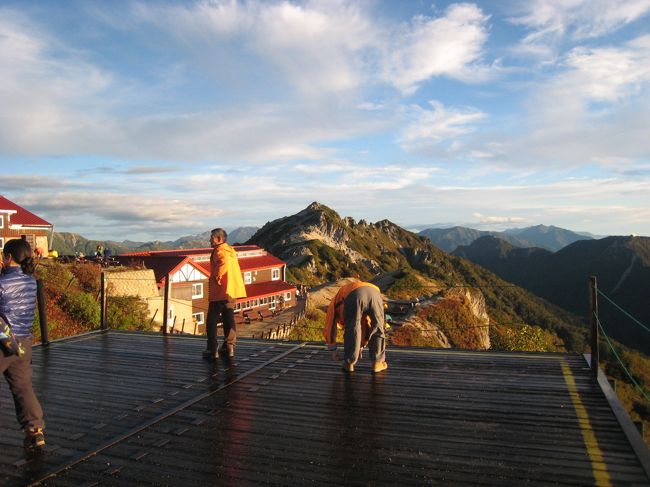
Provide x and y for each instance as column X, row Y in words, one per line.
column 621, row 266
column 66, row 243
column 547, row 237
column 318, row 245
column 551, row 287
column 448, row 239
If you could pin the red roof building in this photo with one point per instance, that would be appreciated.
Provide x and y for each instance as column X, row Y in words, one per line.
column 17, row 222
column 189, row 270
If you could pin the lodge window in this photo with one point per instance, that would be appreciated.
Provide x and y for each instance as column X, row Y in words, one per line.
column 288, row 296
column 2, row 221
column 197, row 290
column 275, row 274
column 247, row 278
column 2, row 243
column 198, row 318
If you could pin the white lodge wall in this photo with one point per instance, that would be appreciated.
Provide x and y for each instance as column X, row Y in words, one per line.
column 188, row 273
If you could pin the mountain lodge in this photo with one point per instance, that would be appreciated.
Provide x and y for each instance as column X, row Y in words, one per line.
column 189, row 270
column 17, row 222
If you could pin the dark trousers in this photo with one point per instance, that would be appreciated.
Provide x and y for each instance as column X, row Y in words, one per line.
column 18, row 373
column 220, row 311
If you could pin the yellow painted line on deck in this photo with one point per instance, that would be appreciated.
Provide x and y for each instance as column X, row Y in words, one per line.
column 598, row 465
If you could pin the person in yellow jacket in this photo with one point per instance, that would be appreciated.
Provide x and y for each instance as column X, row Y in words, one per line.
column 358, row 309
column 225, row 286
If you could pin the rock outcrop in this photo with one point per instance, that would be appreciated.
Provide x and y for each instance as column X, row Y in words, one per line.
column 317, row 242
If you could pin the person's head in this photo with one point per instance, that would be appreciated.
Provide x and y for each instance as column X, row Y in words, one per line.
column 218, row 236
column 17, row 252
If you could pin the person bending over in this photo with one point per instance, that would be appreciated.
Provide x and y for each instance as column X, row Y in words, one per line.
column 358, row 308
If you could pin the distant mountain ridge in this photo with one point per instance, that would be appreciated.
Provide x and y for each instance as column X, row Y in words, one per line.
column 318, row 245
column 620, row 264
column 66, row 243
column 548, row 237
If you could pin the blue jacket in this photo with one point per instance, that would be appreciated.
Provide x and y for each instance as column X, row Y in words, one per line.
column 18, row 300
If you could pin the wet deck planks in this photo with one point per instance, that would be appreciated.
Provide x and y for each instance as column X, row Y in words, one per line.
column 284, row 414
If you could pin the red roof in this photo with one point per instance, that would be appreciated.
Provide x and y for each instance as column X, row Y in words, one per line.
column 169, row 253
column 261, row 262
column 188, row 252
column 21, row 216
column 251, row 263
column 261, row 289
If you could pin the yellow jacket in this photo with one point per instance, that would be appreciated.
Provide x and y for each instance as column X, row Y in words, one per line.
column 334, row 319
column 226, row 283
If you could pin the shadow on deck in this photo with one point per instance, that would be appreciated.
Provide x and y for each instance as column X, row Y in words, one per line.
column 139, row 409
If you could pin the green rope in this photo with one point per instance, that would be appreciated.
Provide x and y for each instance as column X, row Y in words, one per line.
column 624, row 312
column 627, row 372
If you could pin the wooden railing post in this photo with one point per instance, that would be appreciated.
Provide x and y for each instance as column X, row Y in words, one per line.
column 168, row 286
column 42, row 316
column 102, row 302
column 595, row 352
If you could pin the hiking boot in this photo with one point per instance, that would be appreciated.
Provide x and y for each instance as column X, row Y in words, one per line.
column 227, row 350
column 379, row 366
column 347, row 366
column 34, row 439
column 210, row 356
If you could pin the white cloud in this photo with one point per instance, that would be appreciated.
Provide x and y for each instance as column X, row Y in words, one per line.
column 500, row 220
column 580, row 19
column 56, row 101
column 451, row 45
column 97, row 214
column 335, row 46
column 428, row 128
column 318, row 46
column 606, row 74
column 593, row 110
column 44, row 97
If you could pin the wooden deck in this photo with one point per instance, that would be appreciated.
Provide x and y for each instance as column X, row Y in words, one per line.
column 138, row 409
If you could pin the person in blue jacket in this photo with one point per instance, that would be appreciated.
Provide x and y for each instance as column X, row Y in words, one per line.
column 17, row 307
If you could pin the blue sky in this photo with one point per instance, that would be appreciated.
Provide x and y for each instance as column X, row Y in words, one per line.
column 152, row 120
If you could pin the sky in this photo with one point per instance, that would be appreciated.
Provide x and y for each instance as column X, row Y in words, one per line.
column 148, row 120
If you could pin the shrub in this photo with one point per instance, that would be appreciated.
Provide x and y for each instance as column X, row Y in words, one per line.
column 88, row 277
column 81, row 307
column 411, row 336
column 524, row 339
column 57, row 277
column 310, row 328
column 457, row 322
column 127, row 313
column 407, row 286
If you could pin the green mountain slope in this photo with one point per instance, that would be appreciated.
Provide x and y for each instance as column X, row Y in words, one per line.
column 621, row 265
column 318, row 245
column 448, row 239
